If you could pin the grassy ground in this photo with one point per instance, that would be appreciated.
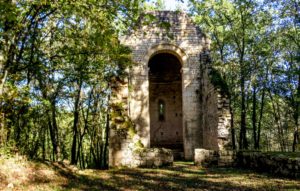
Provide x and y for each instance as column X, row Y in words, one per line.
column 17, row 173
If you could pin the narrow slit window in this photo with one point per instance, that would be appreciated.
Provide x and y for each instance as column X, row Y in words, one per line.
column 161, row 110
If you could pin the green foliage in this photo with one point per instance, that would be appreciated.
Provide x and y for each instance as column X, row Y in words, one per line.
column 58, row 67
column 120, row 121
column 157, row 5
column 218, row 81
column 255, row 48
column 61, row 62
column 139, row 145
column 131, row 131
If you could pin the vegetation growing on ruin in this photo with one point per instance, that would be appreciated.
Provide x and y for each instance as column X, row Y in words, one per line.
column 218, row 81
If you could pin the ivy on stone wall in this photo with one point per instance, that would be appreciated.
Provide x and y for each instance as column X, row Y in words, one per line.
column 218, row 81
column 120, row 121
column 124, row 126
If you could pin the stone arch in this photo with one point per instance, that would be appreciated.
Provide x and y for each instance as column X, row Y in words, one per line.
column 165, row 78
column 167, row 48
column 204, row 116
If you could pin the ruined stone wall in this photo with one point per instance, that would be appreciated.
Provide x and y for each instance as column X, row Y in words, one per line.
column 202, row 107
column 221, row 158
column 186, row 42
column 215, row 113
column 274, row 163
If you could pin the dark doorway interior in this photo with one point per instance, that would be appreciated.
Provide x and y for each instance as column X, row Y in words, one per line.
column 165, row 91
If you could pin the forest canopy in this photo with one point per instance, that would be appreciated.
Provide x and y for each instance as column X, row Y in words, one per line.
column 255, row 46
column 60, row 60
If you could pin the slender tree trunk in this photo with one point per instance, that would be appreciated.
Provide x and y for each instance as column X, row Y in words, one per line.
column 268, row 142
column 280, row 127
column 75, row 126
column 85, row 129
column 44, row 143
column 278, row 122
column 55, row 131
column 17, row 129
column 51, row 136
column 257, row 143
column 51, row 116
column 79, row 150
column 254, row 116
column 243, row 138
column 106, row 135
column 3, row 80
column 296, row 139
column 100, row 145
column 74, row 142
column 5, row 57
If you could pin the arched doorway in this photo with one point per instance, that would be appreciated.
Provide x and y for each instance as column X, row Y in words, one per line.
column 165, row 101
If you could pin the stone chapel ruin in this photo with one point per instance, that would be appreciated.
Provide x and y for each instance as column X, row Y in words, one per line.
column 169, row 95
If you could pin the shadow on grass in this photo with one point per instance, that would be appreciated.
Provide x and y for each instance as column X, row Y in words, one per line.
column 77, row 181
column 181, row 176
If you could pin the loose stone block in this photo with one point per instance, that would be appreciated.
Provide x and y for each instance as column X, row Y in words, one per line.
column 203, row 157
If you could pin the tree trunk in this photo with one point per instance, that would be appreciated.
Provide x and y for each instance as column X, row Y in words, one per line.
column 232, row 127
column 257, row 143
column 3, row 80
column 74, row 142
column 278, row 122
column 254, row 116
column 75, row 126
column 296, row 140
column 243, row 138
column 280, row 127
column 43, row 143
column 85, row 129
column 106, row 135
column 53, row 129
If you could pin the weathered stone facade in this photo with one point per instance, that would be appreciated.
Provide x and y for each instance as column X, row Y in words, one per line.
column 171, row 105
column 283, row 164
column 221, row 158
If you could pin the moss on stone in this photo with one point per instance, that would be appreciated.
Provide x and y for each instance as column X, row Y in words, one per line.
column 139, row 144
column 119, row 120
column 218, row 81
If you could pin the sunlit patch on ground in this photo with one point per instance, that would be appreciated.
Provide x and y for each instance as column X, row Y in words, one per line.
column 20, row 174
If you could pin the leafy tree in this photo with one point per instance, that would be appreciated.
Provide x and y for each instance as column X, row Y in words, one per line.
column 58, row 61
column 255, row 45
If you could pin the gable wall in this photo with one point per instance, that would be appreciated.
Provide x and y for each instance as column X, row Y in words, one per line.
column 200, row 116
